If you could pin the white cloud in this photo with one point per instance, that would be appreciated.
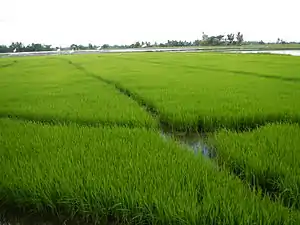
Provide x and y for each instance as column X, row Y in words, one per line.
column 62, row 22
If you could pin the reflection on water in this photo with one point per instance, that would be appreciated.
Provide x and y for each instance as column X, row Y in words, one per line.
column 194, row 141
column 278, row 52
column 182, row 49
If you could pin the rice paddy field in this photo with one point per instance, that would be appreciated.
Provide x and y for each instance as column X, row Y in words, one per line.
column 82, row 139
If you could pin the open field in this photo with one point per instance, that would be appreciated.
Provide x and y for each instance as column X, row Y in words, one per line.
column 80, row 138
column 56, row 91
column 207, row 91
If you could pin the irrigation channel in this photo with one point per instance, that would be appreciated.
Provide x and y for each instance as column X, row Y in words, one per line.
column 192, row 141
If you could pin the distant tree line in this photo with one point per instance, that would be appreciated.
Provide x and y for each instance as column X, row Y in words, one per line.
column 206, row 40
column 82, row 47
column 229, row 39
column 36, row 47
column 20, row 47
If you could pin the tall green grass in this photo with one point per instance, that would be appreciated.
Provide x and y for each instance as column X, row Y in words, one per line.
column 267, row 158
column 120, row 175
column 207, row 91
column 48, row 89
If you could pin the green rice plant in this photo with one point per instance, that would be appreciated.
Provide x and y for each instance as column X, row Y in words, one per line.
column 267, row 158
column 48, row 89
column 206, row 91
column 120, row 175
column 7, row 63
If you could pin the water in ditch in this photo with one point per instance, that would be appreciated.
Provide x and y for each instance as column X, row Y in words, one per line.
column 195, row 142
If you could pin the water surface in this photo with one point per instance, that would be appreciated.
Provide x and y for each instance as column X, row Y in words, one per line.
column 277, row 52
column 192, row 141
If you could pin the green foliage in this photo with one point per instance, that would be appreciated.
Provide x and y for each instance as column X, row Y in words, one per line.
column 119, row 169
column 20, row 47
column 120, row 175
column 239, row 38
column 207, row 91
column 50, row 89
column 267, row 158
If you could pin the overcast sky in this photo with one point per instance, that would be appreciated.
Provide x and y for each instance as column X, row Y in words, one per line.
column 62, row 22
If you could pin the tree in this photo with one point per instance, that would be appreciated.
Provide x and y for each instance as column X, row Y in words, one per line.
column 82, row 47
column 219, row 39
column 196, row 42
column 74, row 47
column 4, row 49
column 47, row 47
column 137, row 44
column 278, row 41
column 210, row 40
column 105, row 46
column 239, row 38
column 18, row 46
column 204, row 37
column 35, row 47
column 230, row 38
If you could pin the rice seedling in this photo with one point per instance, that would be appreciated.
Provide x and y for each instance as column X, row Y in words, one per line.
column 266, row 158
column 207, row 91
column 121, row 175
column 118, row 169
column 48, row 89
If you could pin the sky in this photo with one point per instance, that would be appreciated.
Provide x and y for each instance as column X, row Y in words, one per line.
column 63, row 22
